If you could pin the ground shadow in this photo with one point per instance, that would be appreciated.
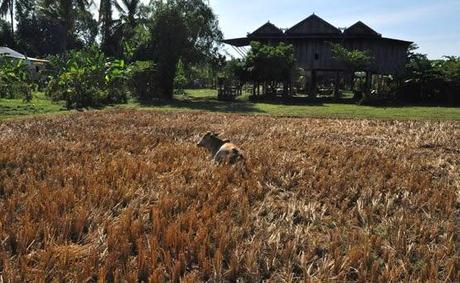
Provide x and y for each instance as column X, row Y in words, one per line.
column 303, row 100
column 206, row 104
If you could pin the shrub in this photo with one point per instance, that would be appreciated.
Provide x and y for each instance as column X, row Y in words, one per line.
column 143, row 81
column 88, row 79
column 376, row 99
column 14, row 79
column 180, row 81
column 431, row 81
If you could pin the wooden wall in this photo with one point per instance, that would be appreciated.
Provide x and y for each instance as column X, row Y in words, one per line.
column 315, row 54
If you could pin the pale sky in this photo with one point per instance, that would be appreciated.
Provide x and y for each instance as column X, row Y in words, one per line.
column 433, row 25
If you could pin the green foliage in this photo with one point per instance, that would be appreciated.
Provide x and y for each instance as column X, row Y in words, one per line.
column 143, row 81
column 353, row 60
column 449, row 68
column 179, row 30
column 7, row 7
column 180, row 80
column 108, row 41
column 431, row 81
column 271, row 63
column 54, row 26
column 30, row 33
column 86, row 28
column 169, row 38
column 88, row 79
column 121, row 37
column 163, row 31
column 137, row 47
column 235, row 69
column 202, row 29
column 200, row 75
column 129, row 11
column 5, row 34
column 14, row 79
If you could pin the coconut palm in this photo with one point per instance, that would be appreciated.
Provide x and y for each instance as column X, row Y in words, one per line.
column 129, row 10
column 64, row 13
column 109, row 42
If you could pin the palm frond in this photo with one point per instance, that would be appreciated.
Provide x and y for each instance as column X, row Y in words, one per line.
column 5, row 7
column 119, row 8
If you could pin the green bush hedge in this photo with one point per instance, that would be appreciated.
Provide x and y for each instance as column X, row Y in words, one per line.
column 88, row 79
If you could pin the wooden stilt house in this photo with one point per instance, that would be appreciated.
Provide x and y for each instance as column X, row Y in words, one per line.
column 311, row 39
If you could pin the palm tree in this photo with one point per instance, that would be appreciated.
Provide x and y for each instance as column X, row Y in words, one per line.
column 5, row 7
column 129, row 9
column 64, row 13
column 106, row 22
column 114, row 33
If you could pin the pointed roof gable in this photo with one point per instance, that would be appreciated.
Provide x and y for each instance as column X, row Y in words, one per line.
column 361, row 29
column 313, row 25
column 267, row 29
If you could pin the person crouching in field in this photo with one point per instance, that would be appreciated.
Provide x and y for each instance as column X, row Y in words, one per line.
column 222, row 150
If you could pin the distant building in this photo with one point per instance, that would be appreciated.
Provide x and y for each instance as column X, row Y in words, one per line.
column 311, row 39
column 35, row 65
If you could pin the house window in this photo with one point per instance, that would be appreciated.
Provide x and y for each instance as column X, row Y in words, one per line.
column 316, row 56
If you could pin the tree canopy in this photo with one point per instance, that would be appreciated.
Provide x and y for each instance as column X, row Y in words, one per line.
column 271, row 62
column 353, row 60
column 169, row 39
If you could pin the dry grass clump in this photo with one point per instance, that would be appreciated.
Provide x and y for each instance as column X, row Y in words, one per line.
column 126, row 195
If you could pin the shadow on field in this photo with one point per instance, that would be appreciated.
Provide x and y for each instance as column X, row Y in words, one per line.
column 301, row 101
column 207, row 104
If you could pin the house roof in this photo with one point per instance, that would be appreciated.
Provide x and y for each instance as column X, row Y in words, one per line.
column 8, row 52
column 267, row 29
column 361, row 29
column 314, row 28
column 313, row 25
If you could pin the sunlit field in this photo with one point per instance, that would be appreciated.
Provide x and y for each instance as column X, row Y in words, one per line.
column 120, row 195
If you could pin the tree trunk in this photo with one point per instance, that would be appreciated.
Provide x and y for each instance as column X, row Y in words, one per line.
column 337, row 85
column 313, row 84
column 285, row 88
column 12, row 20
column 368, row 82
column 352, row 81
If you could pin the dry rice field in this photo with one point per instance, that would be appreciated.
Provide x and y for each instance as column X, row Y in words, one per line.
column 125, row 195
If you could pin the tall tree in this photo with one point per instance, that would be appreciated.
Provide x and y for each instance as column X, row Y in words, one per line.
column 169, row 38
column 5, row 34
column 128, row 25
column 28, row 35
column 63, row 16
column 7, row 6
column 185, row 30
column 203, row 32
column 108, row 42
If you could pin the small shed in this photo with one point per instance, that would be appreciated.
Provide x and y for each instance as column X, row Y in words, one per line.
column 35, row 65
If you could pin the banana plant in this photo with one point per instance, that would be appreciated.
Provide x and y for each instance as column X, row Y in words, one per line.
column 14, row 79
column 88, row 79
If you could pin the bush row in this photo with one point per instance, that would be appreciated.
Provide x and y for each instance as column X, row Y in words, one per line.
column 88, row 78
